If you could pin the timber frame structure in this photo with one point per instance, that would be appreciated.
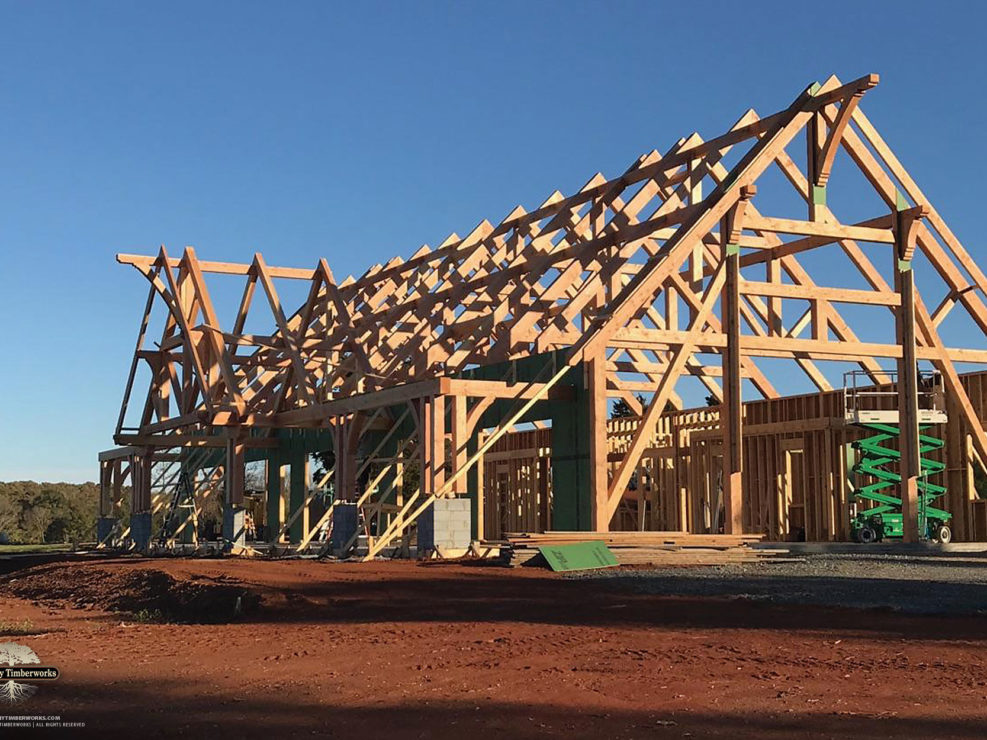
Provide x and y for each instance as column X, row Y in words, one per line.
column 668, row 272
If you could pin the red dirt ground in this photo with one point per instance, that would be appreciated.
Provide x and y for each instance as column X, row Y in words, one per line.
column 399, row 650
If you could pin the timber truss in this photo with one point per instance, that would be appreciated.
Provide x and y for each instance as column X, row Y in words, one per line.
column 671, row 270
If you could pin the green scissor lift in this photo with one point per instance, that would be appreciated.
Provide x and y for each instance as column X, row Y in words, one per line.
column 880, row 464
column 883, row 519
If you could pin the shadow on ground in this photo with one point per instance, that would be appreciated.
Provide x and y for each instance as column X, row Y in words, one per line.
column 272, row 592
column 165, row 709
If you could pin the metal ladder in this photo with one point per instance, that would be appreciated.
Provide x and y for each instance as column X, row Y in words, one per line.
column 183, row 493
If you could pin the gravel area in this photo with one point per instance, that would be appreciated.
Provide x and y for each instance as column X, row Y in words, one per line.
column 939, row 584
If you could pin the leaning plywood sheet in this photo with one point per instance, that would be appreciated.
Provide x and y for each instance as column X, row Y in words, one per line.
column 578, row 556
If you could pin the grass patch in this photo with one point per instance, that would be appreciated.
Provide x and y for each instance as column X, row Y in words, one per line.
column 19, row 629
column 16, row 629
column 19, row 549
column 148, row 616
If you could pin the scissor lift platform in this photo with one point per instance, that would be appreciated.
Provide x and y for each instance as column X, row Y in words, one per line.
column 878, row 464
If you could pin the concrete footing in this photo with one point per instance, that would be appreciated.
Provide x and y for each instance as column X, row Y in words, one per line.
column 234, row 529
column 445, row 525
column 344, row 525
column 140, row 530
column 104, row 527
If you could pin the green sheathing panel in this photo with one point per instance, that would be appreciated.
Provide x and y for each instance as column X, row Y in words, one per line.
column 571, row 494
column 294, row 447
column 579, row 556
column 472, row 486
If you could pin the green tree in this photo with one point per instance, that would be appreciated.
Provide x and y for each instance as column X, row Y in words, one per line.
column 622, row 409
column 33, row 512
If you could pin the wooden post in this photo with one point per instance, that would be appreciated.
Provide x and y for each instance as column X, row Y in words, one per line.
column 775, row 316
column 106, row 487
column 437, row 438
column 731, row 423
column 460, row 438
column 680, row 474
column 339, row 447
column 141, row 464
column 425, row 448
column 957, row 494
column 118, row 475
column 136, row 485
column 815, row 137
column 731, row 410
column 970, row 488
column 346, row 455
column 596, row 385
column 481, row 500
column 283, row 502
column 235, row 449
column 907, row 374
column 140, row 476
column 432, row 447
column 399, row 476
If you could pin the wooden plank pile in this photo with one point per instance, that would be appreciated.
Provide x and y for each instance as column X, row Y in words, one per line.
column 647, row 548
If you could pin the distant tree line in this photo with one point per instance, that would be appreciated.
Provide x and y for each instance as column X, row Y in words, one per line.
column 32, row 513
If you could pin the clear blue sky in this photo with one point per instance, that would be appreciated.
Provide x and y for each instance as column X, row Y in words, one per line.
column 358, row 131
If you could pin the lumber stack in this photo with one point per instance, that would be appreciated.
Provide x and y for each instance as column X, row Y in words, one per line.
column 647, row 548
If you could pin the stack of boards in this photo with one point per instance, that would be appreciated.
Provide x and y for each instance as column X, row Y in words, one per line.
column 648, row 548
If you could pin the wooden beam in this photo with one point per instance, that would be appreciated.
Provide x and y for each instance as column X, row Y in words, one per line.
column 504, row 390
column 363, row 402
column 815, row 293
column 222, row 268
column 819, row 229
column 785, row 346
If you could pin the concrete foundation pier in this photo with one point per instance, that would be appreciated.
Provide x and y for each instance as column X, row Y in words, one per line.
column 234, row 529
column 345, row 519
column 104, row 527
column 140, row 530
column 446, row 525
